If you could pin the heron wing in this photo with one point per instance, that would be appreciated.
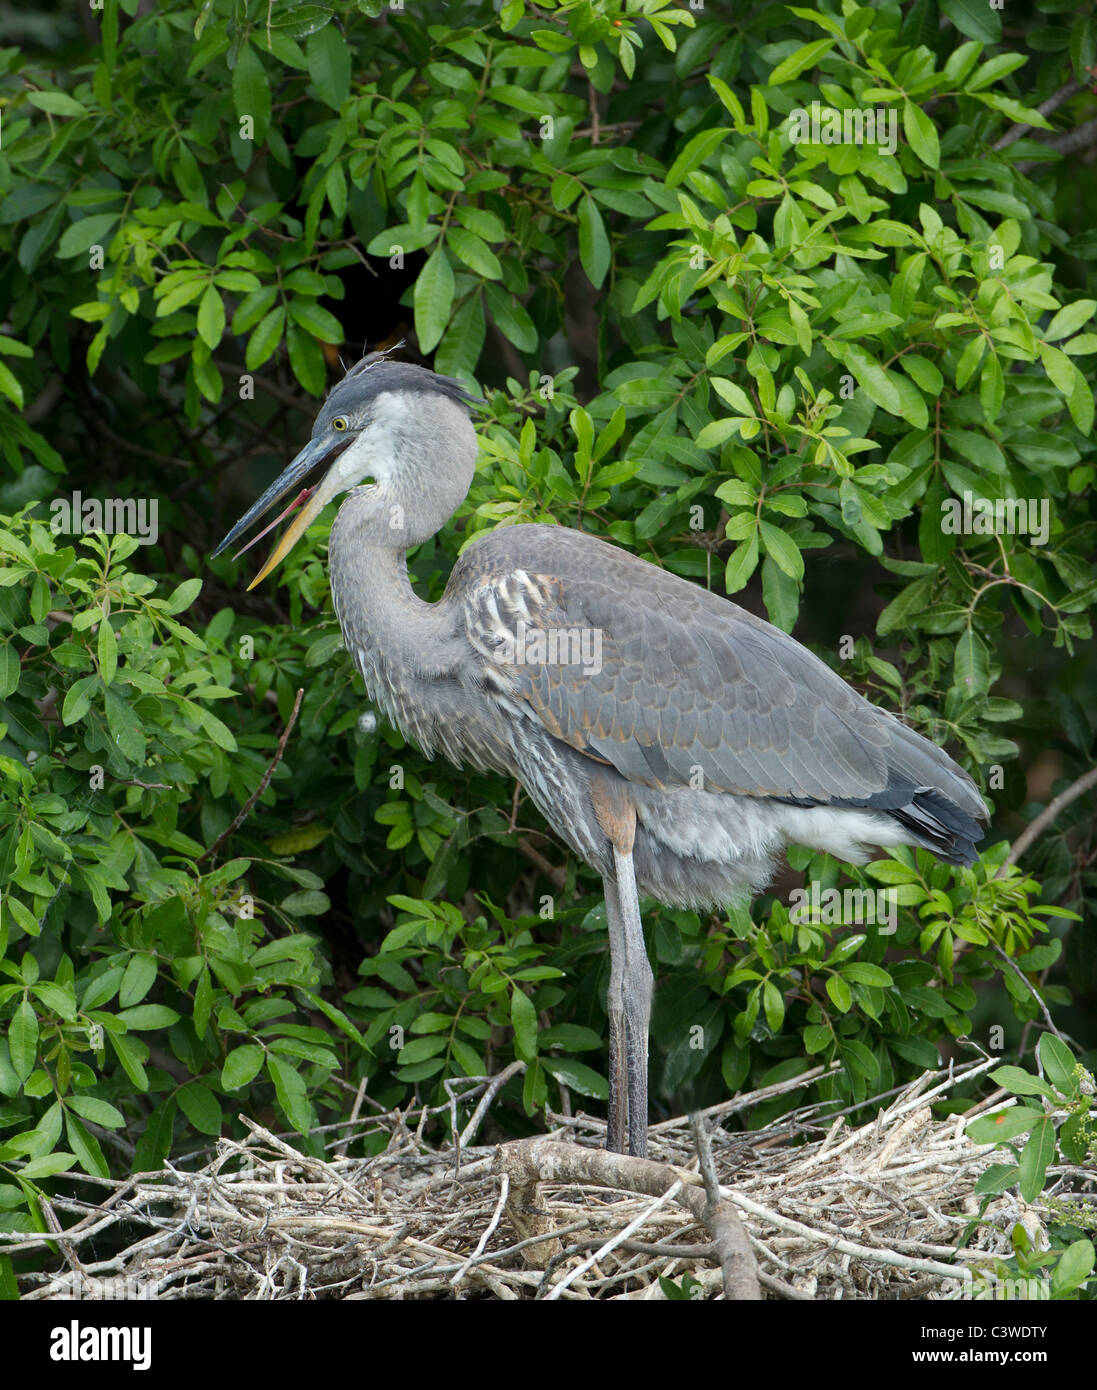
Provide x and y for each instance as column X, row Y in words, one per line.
column 674, row 686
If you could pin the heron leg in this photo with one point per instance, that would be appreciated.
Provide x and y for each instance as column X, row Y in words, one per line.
column 637, row 1002
column 615, row 1009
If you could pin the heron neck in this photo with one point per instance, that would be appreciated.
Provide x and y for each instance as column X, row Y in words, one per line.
column 392, row 634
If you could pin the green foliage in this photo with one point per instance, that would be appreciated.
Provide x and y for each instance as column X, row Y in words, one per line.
column 697, row 335
column 109, row 711
column 1055, row 1114
column 688, row 1290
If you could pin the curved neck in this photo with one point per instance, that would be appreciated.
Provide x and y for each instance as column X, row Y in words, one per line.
column 394, row 636
column 424, row 464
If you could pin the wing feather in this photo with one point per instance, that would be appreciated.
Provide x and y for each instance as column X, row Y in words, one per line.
column 685, row 681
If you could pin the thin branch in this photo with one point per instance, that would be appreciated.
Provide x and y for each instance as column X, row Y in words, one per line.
column 298, row 400
column 1046, row 108
column 131, row 448
column 737, row 1263
column 528, row 1162
column 1036, row 828
column 497, row 1084
column 557, row 877
column 261, row 788
column 1031, row 988
column 1071, row 141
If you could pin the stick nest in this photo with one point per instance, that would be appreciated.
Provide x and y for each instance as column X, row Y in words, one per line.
column 825, row 1211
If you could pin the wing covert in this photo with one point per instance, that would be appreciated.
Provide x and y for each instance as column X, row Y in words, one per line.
column 666, row 682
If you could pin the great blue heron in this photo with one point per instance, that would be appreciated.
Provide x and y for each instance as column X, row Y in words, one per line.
column 677, row 749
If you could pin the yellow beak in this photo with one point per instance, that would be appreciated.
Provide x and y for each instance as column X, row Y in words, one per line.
column 288, row 481
column 310, row 509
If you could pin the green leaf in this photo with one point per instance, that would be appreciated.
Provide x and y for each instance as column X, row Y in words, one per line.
column 459, row 351
column 1073, row 1269
column 23, row 1040
column 419, row 1049
column 203, row 1002
column 85, row 1146
column 10, row 386
column 1058, row 1063
column 289, row 1087
column 998, row 1177
column 839, row 993
column 774, row 1006
column 315, row 320
column 784, row 550
column 992, row 388
column 10, row 670
column 717, row 432
column 200, row 1106
column 329, row 60
column 57, row 103
column 741, row 564
column 1035, row 1158
column 475, row 253
column 971, row 673
column 1021, row 1082
column 961, row 62
column 107, row 651
column 88, row 232
column 511, row 318
column 735, row 396
column 577, row 1076
column 1003, row 1125
column 1059, row 368
column 300, row 21
column 99, row 1112
column 974, row 19
column 265, row 339
column 241, row 1066
column 132, row 1053
column 524, row 1018
column 47, row 1166
column 594, row 249
column 125, row 726
column 211, row 317
column 1001, row 65
column 251, row 91
column 139, row 978
column 921, row 134
column 154, row 1144
column 307, row 360
column 433, row 299
column 800, row 61
column 1069, row 319
column 183, row 595
column 864, row 973
column 878, row 383
column 145, row 1016
column 694, row 153
column 252, row 308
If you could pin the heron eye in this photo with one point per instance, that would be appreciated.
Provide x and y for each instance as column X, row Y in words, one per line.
column 339, row 423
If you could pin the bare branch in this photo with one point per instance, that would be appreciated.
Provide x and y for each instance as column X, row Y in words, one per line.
column 1046, row 108
column 1037, row 827
column 261, row 788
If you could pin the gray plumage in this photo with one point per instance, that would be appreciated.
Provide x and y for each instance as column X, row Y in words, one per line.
column 674, row 741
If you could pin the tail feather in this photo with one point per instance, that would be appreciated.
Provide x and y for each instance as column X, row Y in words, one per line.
column 931, row 796
column 940, row 826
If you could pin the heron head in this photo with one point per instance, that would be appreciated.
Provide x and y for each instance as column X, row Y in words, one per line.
column 387, row 423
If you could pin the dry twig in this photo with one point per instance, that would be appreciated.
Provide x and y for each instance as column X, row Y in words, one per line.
column 825, row 1209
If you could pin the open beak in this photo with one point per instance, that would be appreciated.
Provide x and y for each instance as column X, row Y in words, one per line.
column 311, row 502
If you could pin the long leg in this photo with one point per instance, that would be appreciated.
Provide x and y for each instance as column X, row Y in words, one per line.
column 637, row 1003
column 615, row 1008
